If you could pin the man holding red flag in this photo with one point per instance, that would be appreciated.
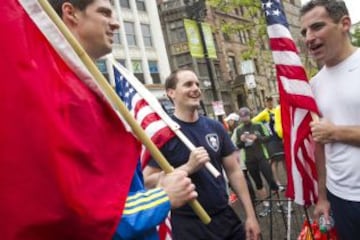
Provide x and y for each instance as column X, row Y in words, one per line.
column 63, row 171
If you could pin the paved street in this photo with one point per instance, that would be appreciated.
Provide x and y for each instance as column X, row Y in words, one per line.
column 274, row 225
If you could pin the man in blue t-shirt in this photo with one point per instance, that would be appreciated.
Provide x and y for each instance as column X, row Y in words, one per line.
column 214, row 145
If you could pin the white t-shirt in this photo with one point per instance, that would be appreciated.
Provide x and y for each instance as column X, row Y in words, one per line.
column 337, row 93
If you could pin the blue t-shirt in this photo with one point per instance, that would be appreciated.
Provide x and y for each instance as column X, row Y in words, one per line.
column 213, row 137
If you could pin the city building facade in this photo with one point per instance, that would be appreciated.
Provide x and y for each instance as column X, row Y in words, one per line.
column 230, row 86
column 139, row 44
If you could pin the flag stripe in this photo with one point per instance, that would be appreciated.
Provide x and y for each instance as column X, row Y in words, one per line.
column 280, row 44
column 286, row 58
column 296, row 87
column 292, row 72
column 278, row 31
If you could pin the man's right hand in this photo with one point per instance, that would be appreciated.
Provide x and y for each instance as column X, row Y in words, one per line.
column 322, row 207
column 197, row 159
column 178, row 186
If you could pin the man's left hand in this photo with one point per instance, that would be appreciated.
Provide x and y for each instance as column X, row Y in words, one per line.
column 323, row 131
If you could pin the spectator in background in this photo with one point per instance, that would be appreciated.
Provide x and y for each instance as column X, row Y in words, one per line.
column 271, row 118
column 232, row 121
column 251, row 137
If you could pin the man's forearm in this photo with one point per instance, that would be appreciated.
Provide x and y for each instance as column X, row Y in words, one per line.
column 347, row 134
column 239, row 186
column 321, row 169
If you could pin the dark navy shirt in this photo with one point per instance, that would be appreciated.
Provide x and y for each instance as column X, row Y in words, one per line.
column 213, row 137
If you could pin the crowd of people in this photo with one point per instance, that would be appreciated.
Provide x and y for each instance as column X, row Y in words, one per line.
column 247, row 146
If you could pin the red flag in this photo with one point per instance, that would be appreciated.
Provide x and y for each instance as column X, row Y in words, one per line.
column 297, row 103
column 64, row 170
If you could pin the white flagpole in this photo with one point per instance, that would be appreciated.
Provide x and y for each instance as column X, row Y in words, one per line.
column 289, row 220
column 156, row 107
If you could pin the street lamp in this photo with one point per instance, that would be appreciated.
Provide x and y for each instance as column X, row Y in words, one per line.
column 196, row 10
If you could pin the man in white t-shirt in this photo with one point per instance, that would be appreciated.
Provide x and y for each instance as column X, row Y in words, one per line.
column 325, row 25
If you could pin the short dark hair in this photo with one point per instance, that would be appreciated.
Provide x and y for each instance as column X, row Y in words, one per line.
column 79, row 4
column 335, row 8
column 268, row 99
column 172, row 80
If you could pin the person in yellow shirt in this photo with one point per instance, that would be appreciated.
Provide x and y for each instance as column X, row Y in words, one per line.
column 271, row 117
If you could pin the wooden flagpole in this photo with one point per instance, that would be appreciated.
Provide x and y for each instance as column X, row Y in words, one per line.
column 117, row 103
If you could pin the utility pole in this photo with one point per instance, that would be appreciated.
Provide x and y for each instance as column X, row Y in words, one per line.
column 196, row 10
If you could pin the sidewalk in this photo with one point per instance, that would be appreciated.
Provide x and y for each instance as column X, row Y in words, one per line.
column 274, row 224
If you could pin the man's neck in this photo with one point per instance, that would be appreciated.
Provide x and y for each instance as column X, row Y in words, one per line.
column 349, row 49
column 187, row 116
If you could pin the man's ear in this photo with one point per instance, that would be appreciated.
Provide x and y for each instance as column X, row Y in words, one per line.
column 69, row 14
column 346, row 23
column 170, row 93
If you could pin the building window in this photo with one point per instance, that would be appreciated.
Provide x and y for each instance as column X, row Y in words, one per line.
column 130, row 33
column 125, row 3
column 183, row 59
column 242, row 11
column 256, row 63
column 203, row 70
column 154, row 71
column 178, row 35
column 101, row 65
column 140, row 4
column 177, row 32
column 217, row 71
column 138, row 71
column 242, row 37
column 145, row 29
column 122, row 62
column 248, row 35
column 117, row 39
column 232, row 65
column 226, row 37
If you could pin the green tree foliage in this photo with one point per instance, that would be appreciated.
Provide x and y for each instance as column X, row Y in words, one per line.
column 355, row 37
column 253, row 21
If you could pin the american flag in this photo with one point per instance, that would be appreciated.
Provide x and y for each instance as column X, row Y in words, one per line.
column 147, row 111
column 164, row 229
column 145, row 108
column 297, row 102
